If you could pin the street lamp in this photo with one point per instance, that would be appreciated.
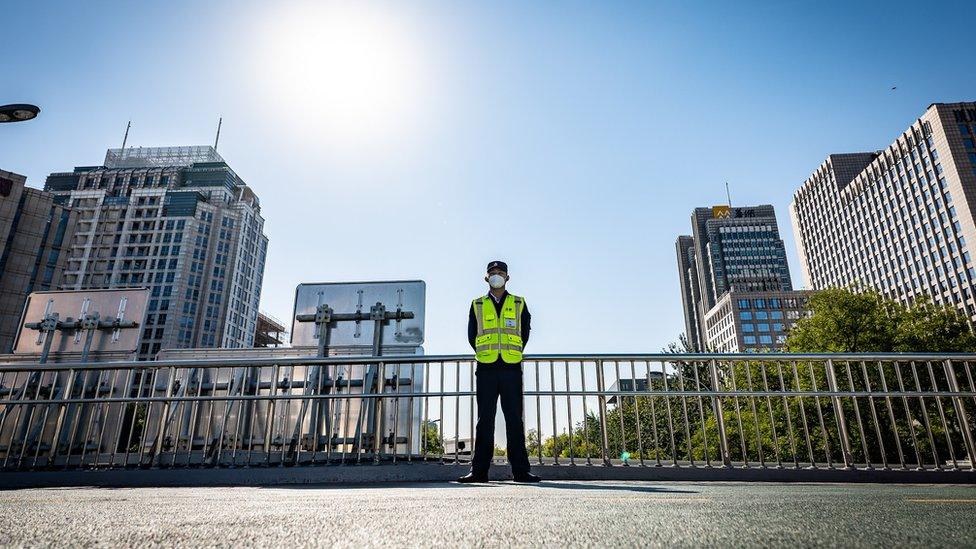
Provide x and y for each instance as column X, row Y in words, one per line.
column 20, row 112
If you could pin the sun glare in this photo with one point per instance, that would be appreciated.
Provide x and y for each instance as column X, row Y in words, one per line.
column 347, row 72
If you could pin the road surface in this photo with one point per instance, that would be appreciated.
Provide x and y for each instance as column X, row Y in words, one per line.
column 554, row 514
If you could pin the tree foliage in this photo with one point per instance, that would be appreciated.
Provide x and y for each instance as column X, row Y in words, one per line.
column 796, row 429
column 431, row 438
column 846, row 320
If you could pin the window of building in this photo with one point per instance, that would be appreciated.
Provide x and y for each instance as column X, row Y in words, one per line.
column 745, row 315
column 765, row 339
column 749, row 340
column 748, row 328
column 744, row 304
column 763, row 327
column 762, row 315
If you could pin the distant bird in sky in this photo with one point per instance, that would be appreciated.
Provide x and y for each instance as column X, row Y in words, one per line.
column 893, row 88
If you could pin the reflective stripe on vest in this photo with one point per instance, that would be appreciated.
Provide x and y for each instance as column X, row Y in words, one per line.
column 498, row 336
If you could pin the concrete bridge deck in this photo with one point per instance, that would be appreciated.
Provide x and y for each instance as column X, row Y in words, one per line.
column 554, row 513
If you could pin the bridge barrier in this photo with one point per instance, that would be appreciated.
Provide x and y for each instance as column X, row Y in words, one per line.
column 754, row 412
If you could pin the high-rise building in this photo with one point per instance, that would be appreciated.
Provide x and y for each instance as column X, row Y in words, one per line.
column 900, row 220
column 33, row 230
column 690, row 291
column 179, row 221
column 730, row 249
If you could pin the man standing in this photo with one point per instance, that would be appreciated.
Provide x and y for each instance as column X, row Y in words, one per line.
column 498, row 329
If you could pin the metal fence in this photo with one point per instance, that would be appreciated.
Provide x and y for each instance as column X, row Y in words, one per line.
column 749, row 411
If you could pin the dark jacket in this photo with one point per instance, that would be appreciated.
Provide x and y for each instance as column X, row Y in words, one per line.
column 526, row 322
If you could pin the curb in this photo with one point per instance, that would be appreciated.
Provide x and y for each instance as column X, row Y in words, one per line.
column 438, row 472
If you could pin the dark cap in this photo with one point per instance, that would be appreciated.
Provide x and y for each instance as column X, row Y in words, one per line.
column 497, row 265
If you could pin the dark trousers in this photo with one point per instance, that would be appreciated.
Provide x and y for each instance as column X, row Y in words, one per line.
column 504, row 382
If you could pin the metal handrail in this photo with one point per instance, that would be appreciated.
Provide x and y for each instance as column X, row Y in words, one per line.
column 686, row 394
column 855, row 411
column 407, row 359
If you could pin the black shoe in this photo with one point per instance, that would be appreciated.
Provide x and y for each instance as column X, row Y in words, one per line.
column 472, row 477
column 526, row 478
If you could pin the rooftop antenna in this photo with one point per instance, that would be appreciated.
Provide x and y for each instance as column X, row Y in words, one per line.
column 126, row 137
column 728, row 194
column 217, row 139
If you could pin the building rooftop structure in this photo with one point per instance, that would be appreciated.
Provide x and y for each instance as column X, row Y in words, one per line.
column 156, row 157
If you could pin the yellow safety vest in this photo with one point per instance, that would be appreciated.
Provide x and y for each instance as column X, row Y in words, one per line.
column 498, row 336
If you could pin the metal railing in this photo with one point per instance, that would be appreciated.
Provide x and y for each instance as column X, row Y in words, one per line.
column 753, row 411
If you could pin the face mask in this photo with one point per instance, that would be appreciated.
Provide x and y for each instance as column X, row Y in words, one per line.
column 496, row 281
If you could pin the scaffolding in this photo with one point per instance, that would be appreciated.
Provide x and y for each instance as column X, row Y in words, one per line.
column 269, row 331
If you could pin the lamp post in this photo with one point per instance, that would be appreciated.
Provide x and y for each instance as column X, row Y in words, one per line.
column 18, row 112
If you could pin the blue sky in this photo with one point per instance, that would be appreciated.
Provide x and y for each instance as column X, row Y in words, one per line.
column 571, row 139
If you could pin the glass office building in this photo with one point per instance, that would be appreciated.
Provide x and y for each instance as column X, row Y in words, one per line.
column 731, row 249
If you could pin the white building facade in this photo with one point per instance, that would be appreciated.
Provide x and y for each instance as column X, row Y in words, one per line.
column 179, row 221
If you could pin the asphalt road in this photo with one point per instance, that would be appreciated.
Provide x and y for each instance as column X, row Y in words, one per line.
column 555, row 514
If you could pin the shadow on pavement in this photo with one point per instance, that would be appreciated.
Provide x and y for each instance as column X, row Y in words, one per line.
column 558, row 485
column 378, row 485
column 612, row 487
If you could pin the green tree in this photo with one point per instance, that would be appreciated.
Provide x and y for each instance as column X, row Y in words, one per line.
column 930, row 328
column 433, row 443
column 791, row 428
column 851, row 320
column 532, row 442
column 855, row 320
column 846, row 321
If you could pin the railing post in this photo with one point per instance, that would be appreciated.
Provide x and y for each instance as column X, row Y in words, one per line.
column 723, row 440
column 161, row 435
column 602, row 398
column 967, row 434
column 845, row 442
column 62, row 411
column 378, row 413
column 270, row 417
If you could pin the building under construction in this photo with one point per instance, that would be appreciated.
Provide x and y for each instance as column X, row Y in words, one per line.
column 270, row 331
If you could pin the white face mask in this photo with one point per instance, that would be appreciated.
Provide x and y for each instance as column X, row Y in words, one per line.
column 496, row 281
